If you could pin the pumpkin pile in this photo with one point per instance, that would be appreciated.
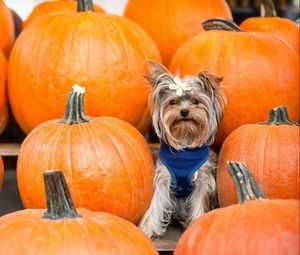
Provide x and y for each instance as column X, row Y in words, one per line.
column 256, row 79
column 94, row 144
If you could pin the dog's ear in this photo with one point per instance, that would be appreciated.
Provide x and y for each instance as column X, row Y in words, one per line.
column 211, row 84
column 157, row 73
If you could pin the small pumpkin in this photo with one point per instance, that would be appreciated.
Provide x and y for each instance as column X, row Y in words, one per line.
column 106, row 161
column 102, row 52
column 252, row 66
column 171, row 23
column 269, row 22
column 48, row 7
column 3, row 96
column 61, row 229
column 254, row 226
column 7, row 29
column 1, row 172
column 271, row 149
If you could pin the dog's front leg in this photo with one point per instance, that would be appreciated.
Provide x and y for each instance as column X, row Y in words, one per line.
column 158, row 215
column 203, row 196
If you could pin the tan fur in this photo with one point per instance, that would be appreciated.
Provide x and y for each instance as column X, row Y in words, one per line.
column 205, row 104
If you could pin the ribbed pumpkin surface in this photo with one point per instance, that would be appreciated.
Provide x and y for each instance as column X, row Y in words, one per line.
column 257, row 77
column 93, row 233
column 106, row 162
column 284, row 28
column 103, row 53
column 255, row 227
column 271, row 152
column 171, row 23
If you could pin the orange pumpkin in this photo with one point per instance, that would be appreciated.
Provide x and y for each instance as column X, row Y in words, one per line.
column 102, row 52
column 106, row 161
column 272, row 152
column 48, row 7
column 256, row 226
column 256, row 76
column 284, row 28
column 3, row 97
column 61, row 229
column 7, row 29
column 171, row 23
column 1, row 172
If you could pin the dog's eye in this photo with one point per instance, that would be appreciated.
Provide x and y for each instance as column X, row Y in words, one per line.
column 195, row 101
column 173, row 101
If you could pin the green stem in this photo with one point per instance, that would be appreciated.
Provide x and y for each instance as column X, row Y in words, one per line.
column 74, row 113
column 247, row 188
column 59, row 201
column 279, row 116
column 221, row 24
column 267, row 9
column 85, row 5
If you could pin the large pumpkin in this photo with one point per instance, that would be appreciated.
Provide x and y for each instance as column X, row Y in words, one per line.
column 256, row 226
column 61, row 229
column 3, row 97
column 102, row 52
column 48, row 7
column 1, row 172
column 106, row 161
column 257, row 77
column 7, row 29
column 171, row 23
column 269, row 22
column 271, row 150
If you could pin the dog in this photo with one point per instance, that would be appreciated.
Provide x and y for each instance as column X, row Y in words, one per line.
column 186, row 114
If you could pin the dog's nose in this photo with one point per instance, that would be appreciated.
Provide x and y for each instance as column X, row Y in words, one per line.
column 184, row 112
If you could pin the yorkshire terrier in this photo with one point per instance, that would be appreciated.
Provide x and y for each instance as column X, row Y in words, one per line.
column 186, row 114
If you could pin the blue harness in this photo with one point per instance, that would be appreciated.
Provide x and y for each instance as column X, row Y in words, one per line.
column 182, row 165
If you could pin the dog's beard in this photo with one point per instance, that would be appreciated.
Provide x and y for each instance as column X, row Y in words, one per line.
column 189, row 132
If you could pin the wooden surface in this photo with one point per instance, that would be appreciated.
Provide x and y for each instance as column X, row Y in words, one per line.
column 168, row 241
column 10, row 197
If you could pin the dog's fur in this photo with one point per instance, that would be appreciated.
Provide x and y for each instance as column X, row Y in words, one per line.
column 205, row 103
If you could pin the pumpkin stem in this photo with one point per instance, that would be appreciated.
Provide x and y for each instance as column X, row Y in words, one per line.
column 74, row 113
column 247, row 188
column 279, row 116
column 267, row 9
column 85, row 5
column 221, row 24
column 59, row 201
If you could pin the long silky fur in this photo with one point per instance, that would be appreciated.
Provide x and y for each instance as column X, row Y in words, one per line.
column 199, row 130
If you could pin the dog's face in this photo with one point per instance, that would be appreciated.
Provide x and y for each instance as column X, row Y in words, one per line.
column 185, row 112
